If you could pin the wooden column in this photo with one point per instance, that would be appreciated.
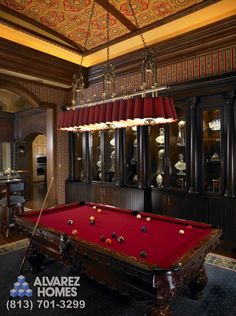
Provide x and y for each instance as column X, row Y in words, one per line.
column 194, row 149
column 87, row 154
column 229, row 143
column 143, row 155
column 120, row 156
column 72, row 140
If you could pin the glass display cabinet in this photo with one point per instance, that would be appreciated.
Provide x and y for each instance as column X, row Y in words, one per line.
column 79, row 161
column 131, row 156
column 109, row 149
column 212, row 150
column 96, row 155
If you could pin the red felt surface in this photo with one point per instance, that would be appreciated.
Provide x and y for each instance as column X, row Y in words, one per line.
column 162, row 241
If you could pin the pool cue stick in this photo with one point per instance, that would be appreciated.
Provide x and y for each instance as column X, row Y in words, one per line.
column 35, row 228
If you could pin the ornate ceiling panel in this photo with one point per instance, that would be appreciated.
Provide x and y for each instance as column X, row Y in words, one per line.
column 69, row 18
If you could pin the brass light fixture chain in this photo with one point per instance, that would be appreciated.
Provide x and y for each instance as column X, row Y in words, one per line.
column 137, row 24
column 108, row 39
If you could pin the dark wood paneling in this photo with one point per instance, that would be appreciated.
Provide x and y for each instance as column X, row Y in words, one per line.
column 6, row 126
column 40, row 65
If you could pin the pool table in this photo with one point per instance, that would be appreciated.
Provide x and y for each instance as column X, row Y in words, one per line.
column 150, row 257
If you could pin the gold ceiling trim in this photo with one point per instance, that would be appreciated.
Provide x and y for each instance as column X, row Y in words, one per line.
column 200, row 18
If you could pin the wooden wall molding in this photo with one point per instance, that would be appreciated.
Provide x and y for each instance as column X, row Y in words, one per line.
column 21, row 59
column 198, row 42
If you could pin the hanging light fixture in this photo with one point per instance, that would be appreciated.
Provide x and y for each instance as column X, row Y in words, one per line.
column 143, row 107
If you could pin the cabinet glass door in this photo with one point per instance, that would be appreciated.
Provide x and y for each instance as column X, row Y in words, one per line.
column 131, row 155
column 109, row 155
column 212, row 152
column 177, row 151
column 96, row 161
column 79, row 162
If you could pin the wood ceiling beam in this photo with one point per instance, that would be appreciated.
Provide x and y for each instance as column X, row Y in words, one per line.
column 117, row 14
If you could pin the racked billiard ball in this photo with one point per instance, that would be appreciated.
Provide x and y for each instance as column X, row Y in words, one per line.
column 189, row 227
column 121, row 239
column 143, row 254
column 139, row 216
column 144, row 229
column 91, row 218
column 113, row 235
column 102, row 238
column 181, row 232
column 108, row 241
column 74, row 232
column 99, row 210
column 70, row 222
column 94, row 207
column 92, row 222
column 148, row 219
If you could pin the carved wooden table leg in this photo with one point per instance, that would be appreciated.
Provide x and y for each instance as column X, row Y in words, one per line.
column 198, row 283
column 36, row 260
column 159, row 310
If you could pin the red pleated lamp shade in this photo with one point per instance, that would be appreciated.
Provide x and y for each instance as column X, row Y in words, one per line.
column 96, row 113
column 109, row 108
column 71, row 119
column 138, row 108
column 115, row 111
column 102, row 115
column 91, row 115
column 76, row 116
column 159, row 111
column 147, row 107
column 174, row 114
column 122, row 110
column 130, row 109
column 81, row 116
column 66, row 121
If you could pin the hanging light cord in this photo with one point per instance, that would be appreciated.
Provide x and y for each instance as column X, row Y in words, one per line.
column 108, row 39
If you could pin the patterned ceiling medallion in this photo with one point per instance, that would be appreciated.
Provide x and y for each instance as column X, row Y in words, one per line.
column 78, row 34
column 145, row 18
column 163, row 9
column 75, row 5
column 17, row 5
column 52, row 4
column 52, row 18
column 138, row 6
column 34, row 12
column 181, row 2
column 100, row 23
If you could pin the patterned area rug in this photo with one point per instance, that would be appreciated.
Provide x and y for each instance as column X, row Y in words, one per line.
column 211, row 258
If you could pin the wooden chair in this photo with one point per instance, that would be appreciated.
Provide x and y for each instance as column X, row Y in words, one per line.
column 13, row 201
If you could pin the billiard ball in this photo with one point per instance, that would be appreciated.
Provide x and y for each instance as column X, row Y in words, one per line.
column 143, row 254
column 139, row 216
column 189, row 227
column 113, row 235
column 94, row 207
column 70, row 222
column 108, row 241
column 148, row 219
column 92, row 222
column 181, row 232
column 99, row 210
column 74, row 232
column 91, row 218
column 121, row 239
column 102, row 238
column 144, row 229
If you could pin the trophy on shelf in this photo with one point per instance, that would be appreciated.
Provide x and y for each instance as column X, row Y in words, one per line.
column 99, row 167
column 160, row 161
column 161, row 137
column 181, row 133
column 181, row 165
column 159, row 180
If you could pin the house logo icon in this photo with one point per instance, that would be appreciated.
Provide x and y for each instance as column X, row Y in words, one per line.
column 21, row 288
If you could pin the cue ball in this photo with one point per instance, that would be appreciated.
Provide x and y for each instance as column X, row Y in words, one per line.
column 94, row 207
column 74, row 232
column 189, row 227
column 148, row 219
column 70, row 222
column 181, row 232
column 138, row 216
column 91, row 218
column 121, row 239
column 108, row 241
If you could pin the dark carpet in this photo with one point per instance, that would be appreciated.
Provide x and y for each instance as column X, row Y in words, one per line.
column 219, row 297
